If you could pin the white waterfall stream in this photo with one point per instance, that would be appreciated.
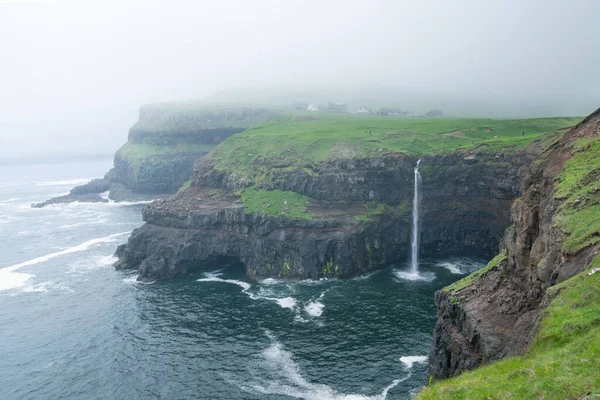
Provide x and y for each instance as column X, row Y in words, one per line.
column 414, row 259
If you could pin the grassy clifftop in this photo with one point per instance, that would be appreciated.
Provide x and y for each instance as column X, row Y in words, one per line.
column 303, row 139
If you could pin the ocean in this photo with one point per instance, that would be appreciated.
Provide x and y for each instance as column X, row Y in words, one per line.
column 71, row 327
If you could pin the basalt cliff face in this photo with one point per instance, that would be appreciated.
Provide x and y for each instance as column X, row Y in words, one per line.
column 554, row 235
column 162, row 148
column 356, row 216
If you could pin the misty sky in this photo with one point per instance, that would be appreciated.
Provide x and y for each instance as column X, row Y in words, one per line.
column 74, row 73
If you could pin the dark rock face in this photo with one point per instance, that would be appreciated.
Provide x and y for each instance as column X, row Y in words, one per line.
column 465, row 203
column 158, row 174
column 88, row 193
column 198, row 225
column 496, row 315
column 71, row 198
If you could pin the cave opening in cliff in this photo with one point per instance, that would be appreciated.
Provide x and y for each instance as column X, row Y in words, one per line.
column 232, row 265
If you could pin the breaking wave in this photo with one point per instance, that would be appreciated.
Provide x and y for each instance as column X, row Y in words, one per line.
column 283, row 302
column 287, row 379
column 10, row 279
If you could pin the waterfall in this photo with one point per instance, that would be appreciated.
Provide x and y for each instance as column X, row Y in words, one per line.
column 414, row 260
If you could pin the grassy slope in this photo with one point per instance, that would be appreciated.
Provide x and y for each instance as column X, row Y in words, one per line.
column 296, row 206
column 564, row 360
column 466, row 281
column 562, row 363
column 137, row 153
column 275, row 202
column 579, row 215
column 298, row 144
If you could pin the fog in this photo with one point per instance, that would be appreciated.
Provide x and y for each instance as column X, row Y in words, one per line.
column 74, row 73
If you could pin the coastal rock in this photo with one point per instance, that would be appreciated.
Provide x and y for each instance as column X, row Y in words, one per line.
column 162, row 148
column 465, row 211
column 496, row 315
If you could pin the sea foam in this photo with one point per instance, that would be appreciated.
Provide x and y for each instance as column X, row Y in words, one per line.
column 287, row 379
column 9, row 279
column 409, row 361
column 79, row 181
column 414, row 276
column 284, row 302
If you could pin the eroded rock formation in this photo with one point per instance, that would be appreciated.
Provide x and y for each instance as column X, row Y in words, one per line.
column 495, row 316
column 466, row 210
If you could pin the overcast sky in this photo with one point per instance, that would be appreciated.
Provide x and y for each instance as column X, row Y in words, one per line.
column 74, row 73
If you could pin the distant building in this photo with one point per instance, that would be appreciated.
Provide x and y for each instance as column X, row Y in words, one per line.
column 435, row 113
column 390, row 111
column 337, row 107
column 312, row 107
column 363, row 110
column 301, row 105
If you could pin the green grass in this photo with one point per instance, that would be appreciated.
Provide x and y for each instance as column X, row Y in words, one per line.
column 562, row 363
column 303, row 144
column 185, row 185
column 467, row 280
column 579, row 215
column 137, row 153
column 275, row 202
column 372, row 208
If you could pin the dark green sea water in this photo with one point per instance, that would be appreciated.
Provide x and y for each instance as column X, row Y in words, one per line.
column 73, row 328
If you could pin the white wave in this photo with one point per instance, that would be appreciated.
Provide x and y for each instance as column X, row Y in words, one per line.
column 88, row 264
column 75, row 249
column 13, row 280
column 132, row 280
column 284, row 302
column 11, row 200
column 126, row 203
column 460, row 266
column 411, row 276
column 244, row 285
column 104, row 195
column 79, row 181
column 287, row 380
column 409, row 361
column 270, row 281
column 44, row 287
column 452, row 267
column 99, row 221
column 315, row 308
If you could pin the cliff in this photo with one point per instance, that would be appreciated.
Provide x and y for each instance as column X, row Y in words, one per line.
column 162, row 148
column 296, row 200
column 336, row 232
column 540, row 297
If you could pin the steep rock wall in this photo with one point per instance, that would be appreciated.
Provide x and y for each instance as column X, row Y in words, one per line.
column 495, row 315
column 466, row 201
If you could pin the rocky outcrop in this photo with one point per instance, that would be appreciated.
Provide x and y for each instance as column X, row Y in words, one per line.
column 495, row 315
column 88, row 193
column 465, row 210
column 200, row 225
column 162, row 148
